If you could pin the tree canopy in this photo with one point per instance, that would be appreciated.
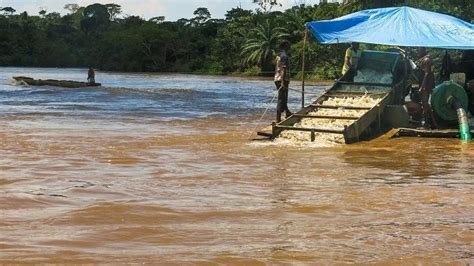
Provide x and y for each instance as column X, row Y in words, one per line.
column 245, row 41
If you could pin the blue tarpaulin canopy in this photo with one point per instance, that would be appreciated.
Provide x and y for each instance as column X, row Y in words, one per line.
column 398, row 26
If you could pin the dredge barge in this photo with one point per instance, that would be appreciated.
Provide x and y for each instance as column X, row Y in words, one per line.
column 349, row 111
column 375, row 101
column 371, row 105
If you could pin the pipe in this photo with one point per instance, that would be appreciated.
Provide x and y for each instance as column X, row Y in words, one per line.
column 464, row 128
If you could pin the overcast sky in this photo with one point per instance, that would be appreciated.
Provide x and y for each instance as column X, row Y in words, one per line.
column 171, row 9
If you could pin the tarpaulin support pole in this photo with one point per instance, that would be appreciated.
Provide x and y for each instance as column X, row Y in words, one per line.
column 303, row 67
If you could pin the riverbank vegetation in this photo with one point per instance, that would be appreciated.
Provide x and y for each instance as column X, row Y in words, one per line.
column 244, row 42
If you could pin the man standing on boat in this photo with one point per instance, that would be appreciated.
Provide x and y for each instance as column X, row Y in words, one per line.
column 351, row 60
column 426, row 88
column 91, row 76
column 282, row 80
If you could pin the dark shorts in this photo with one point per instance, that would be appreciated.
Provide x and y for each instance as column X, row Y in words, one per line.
column 282, row 103
column 425, row 99
column 349, row 76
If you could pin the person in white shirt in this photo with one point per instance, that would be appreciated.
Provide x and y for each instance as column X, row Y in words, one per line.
column 282, row 80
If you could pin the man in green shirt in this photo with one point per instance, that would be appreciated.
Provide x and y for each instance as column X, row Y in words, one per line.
column 351, row 60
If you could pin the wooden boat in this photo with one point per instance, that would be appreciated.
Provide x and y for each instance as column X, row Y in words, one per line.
column 53, row 82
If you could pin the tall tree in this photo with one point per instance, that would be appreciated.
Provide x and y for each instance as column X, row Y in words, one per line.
column 259, row 49
column 267, row 5
column 96, row 16
column 114, row 10
column 236, row 13
column 8, row 10
column 202, row 15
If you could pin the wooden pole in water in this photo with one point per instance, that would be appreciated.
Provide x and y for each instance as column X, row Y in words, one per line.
column 303, row 67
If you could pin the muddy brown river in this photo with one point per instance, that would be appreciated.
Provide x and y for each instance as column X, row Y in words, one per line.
column 160, row 169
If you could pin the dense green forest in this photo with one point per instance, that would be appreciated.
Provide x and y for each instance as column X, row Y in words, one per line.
column 244, row 42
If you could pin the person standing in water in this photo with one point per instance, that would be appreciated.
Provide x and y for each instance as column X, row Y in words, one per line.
column 282, row 80
column 91, row 76
column 351, row 60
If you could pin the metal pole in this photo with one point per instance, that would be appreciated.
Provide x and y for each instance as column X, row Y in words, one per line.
column 302, row 68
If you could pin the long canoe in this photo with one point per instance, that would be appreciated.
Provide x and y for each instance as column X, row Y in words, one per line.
column 53, row 82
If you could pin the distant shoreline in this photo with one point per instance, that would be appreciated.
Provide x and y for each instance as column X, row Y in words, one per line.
column 309, row 82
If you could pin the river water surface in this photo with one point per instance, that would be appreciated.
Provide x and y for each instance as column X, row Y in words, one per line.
column 160, row 169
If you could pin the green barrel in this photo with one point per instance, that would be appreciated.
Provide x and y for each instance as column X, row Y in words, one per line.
column 440, row 100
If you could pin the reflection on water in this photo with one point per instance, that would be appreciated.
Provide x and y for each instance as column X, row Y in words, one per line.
column 159, row 168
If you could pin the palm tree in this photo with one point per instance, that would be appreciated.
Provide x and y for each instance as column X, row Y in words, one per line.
column 259, row 49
